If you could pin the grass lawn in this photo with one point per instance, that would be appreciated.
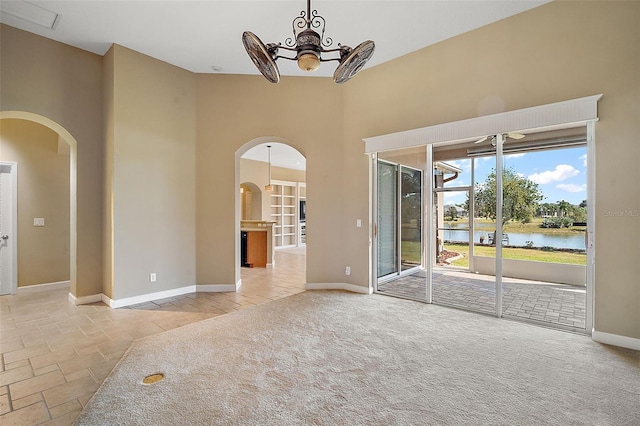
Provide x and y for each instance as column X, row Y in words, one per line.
column 517, row 254
column 411, row 252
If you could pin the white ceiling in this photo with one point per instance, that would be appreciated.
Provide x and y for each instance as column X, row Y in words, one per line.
column 197, row 35
column 282, row 155
column 200, row 35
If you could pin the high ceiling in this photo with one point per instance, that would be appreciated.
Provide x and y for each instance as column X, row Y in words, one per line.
column 200, row 35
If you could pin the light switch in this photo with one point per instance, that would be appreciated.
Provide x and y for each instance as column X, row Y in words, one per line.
column 38, row 221
column 359, row 223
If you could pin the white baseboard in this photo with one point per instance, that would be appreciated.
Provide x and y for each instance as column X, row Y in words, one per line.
column 143, row 298
column 43, row 287
column 616, row 340
column 218, row 288
column 339, row 286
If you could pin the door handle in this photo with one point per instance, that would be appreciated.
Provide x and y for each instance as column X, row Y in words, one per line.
column 5, row 237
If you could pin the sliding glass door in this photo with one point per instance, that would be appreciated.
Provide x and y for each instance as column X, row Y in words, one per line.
column 518, row 249
column 410, row 218
column 500, row 239
column 544, row 254
column 481, row 248
column 387, row 219
column 399, row 219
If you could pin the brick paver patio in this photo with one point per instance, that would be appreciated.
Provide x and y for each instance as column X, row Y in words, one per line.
column 557, row 304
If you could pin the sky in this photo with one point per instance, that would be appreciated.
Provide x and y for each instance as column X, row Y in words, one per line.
column 561, row 174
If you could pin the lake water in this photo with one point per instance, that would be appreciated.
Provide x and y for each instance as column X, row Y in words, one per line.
column 516, row 239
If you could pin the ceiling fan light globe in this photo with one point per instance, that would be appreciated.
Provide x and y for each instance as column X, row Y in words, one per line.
column 308, row 61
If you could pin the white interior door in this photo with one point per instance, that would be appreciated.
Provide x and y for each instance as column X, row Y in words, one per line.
column 8, row 228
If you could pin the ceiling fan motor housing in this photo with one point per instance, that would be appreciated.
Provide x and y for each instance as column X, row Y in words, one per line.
column 308, row 41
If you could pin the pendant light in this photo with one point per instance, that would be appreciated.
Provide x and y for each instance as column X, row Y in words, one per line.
column 269, row 187
column 309, row 47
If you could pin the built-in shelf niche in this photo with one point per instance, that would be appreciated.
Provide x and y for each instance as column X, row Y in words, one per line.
column 288, row 230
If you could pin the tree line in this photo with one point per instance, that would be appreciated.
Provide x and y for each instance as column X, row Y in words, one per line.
column 522, row 202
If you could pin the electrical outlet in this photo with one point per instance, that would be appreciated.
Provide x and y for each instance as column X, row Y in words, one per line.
column 152, row 277
column 38, row 221
column 347, row 270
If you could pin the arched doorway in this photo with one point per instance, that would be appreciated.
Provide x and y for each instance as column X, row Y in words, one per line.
column 65, row 136
column 273, row 172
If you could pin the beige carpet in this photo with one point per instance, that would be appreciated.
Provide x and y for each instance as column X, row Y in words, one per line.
column 336, row 358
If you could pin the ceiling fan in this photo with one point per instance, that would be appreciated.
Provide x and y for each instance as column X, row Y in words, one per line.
column 492, row 138
column 310, row 47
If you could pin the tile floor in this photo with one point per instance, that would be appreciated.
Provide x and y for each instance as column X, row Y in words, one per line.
column 54, row 355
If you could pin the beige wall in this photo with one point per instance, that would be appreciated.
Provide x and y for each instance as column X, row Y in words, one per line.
column 152, row 142
column 63, row 84
column 43, row 192
column 291, row 175
column 559, row 51
column 226, row 122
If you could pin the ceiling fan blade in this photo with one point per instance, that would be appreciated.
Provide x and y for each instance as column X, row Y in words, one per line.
column 516, row 136
column 353, row 61
column 506, row 135
column 261, row 56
